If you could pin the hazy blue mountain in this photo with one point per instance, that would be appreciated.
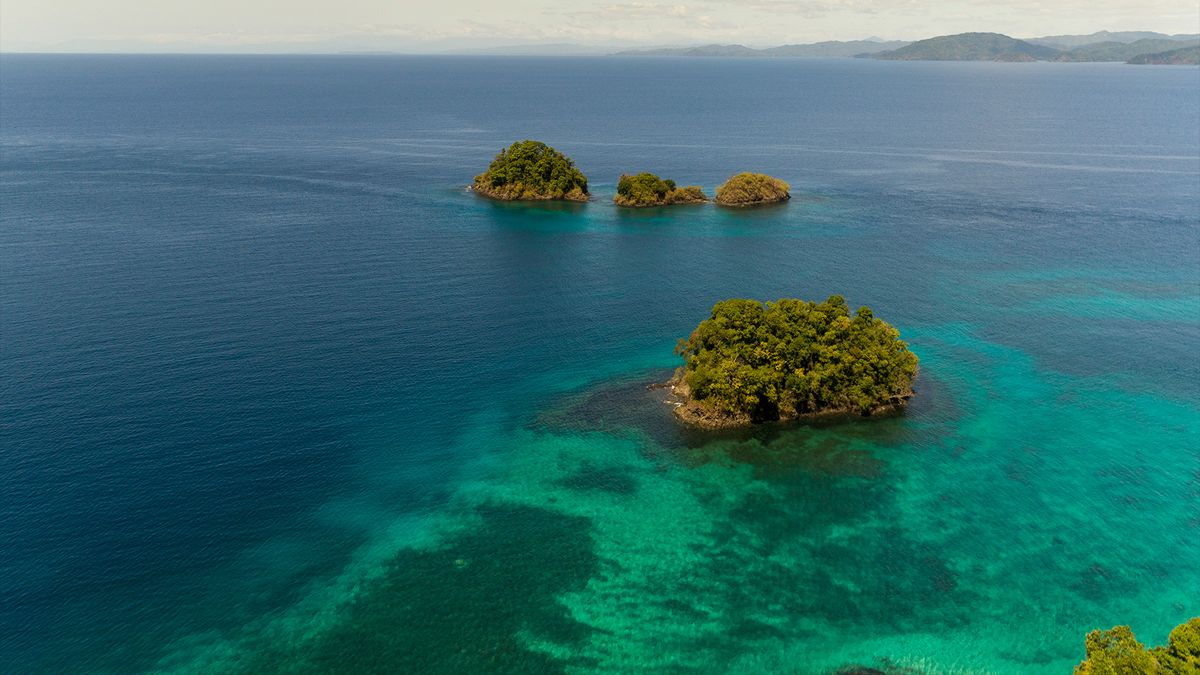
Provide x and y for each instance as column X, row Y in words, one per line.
column 835, row 48
column 702, row 50
column 1121, row 51
column 1126, row 37
column 815, row 50
column 1101, row 46
column 1176, row 57
column 552, row 49
column 970, row 47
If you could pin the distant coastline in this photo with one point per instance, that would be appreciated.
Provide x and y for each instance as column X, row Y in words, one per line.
column 1102, row 47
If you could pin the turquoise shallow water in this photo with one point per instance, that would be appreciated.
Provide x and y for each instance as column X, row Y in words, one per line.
column 280, row 396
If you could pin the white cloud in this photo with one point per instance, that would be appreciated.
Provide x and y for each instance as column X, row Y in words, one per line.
column 182, row 24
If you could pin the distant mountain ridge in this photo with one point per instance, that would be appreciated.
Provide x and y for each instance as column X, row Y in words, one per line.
column 1102, row 46
column 1124, row 51
column 1125, row 37
column 828, row 49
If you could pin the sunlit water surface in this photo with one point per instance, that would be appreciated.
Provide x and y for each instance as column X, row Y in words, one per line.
column 279, row 395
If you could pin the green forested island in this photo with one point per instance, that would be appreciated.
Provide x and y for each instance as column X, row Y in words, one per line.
column 531, row 170
column 970, row 47
column 647, row 189
column 749, row 189
column 750, row 362
column 1117, row 652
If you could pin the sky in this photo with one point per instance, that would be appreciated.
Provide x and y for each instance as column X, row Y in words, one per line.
column 457, row 25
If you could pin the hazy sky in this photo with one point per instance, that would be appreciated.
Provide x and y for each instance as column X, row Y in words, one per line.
column 322, row 25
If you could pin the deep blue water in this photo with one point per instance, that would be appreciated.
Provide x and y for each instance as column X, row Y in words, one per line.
column 277, row 393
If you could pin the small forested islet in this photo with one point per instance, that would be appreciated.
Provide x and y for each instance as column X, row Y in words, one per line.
column 750, row 189
column 647, row 189
column 751, row 362
column 534, row 171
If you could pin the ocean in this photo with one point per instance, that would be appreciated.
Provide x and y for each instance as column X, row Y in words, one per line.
column 277, row 394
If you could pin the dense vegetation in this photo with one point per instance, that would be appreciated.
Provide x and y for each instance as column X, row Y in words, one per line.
column 750, row 363
column 646, row 189
column 746, row 189
column 1116, row 652
column 1187, row 56
column 532, row 170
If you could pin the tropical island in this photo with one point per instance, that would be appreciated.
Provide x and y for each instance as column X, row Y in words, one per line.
column 1117, row 650
column 533, row 171
column 970, row 47
column 751, row 189
column 647, row 189
column 789, row 359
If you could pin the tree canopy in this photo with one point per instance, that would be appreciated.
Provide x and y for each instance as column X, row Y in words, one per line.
column 647, row 189
column 1116, row 651
column 745, row 189
column 791, row 357
column 532, row 170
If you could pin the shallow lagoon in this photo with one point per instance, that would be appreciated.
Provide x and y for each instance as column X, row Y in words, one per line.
column 279, row 394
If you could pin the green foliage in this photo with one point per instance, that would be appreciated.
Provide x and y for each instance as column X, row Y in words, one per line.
column 792, row 357
column 647, row 189
column 532, row 170
column 1182, row 653
column 752, row 188
column 1117, row 652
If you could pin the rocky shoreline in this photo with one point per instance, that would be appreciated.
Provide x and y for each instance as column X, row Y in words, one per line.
column 698, row 414
column 670, row 200
column 515, row 193
column 761, row 202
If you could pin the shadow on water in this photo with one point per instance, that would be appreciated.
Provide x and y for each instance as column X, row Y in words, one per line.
column 463, row 607
column 656, row 215
column 534, row 208
column 833, row 445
